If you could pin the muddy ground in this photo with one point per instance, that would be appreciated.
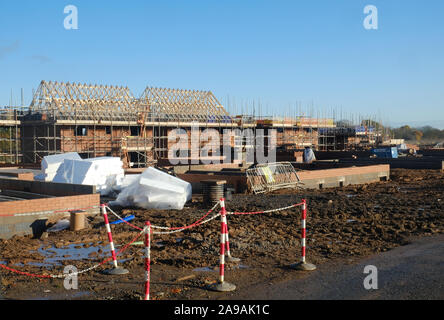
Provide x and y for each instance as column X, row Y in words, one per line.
column 343, row 225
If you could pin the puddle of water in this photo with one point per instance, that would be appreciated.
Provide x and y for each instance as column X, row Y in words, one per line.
column 76, row 251
column 179, row 240
column 75, row 294
column 241, row 266
column 40, row 264
column 208, row 269
column 204, row 269
column 350, row 195
column 159, row 244
column 350, row 220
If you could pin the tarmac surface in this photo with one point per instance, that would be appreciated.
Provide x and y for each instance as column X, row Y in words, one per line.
column 410, row 272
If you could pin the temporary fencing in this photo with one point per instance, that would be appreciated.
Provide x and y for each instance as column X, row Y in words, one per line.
column 303, row 265
column 230, row 258
column 147, row 231
column 171, row 229
column 272, row 176
column 74, row 273
column 266, row 211
column 147, row 259
column 222, row 285
column 110, row 236
column 303, row 229
column 223, row 230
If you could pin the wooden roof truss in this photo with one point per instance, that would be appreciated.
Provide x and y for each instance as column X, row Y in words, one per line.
column 183, row 105
column 75, row 101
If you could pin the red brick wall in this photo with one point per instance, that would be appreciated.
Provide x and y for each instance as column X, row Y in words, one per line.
column 328, row 173
column 49, row 204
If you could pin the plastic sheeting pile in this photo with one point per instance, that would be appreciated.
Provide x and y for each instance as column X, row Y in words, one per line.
column 309, row 155
column 50, row 165
column 106, row 173
column 155, row 189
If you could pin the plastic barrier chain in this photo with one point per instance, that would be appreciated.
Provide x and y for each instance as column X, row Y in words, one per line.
column 173, row 230
column 147, row 233
column 267, row 211
column 75, row 273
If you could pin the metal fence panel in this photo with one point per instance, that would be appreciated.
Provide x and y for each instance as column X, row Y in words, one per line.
column 272, row 176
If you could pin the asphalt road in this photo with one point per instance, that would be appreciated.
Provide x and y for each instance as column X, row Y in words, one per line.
column 414, row 271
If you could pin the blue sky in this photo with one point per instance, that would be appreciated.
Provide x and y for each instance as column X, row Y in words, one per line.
column 315, row 54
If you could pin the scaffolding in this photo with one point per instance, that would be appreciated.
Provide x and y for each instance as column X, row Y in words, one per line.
column 89, row 119
column 296, row 133
column 10, row 144
column 97, row 120
column 101, row 120
column 167, row 109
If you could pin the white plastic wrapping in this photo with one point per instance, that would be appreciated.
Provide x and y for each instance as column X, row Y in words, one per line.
column 155, row 189
column 309, row 155
column 128, row 179
column 106, row 173
column 50, row 165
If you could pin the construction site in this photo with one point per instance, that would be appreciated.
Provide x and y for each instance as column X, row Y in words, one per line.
column 102, row 120
column 361, row 191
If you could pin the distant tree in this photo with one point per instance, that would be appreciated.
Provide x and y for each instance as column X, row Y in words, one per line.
column 371, row 123
column 344, row 123
column 425, row 134
column 418, row 135
column 404, row 132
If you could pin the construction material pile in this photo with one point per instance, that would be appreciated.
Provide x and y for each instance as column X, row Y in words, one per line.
column 309, row 155
column 155, row 189
column 105, row 173
column 50, row 165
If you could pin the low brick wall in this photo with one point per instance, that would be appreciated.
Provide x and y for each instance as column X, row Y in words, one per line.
column 48, row 204
column 311, row 179
column 49, row 188
column 64, row 197
column 421, row 163
column 36, row 224
column 329, row 173
column 330, row 178
column 17, row 174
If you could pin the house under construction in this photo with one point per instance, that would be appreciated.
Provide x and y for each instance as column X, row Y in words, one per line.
column 98, row 120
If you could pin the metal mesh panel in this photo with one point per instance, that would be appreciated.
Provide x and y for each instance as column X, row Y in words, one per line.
column 272, row 176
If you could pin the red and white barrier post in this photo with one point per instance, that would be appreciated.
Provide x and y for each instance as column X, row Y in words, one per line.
column 303, row 265
column 147, row 259
column 116, row 269
column 227, row 240
column 222, row 286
